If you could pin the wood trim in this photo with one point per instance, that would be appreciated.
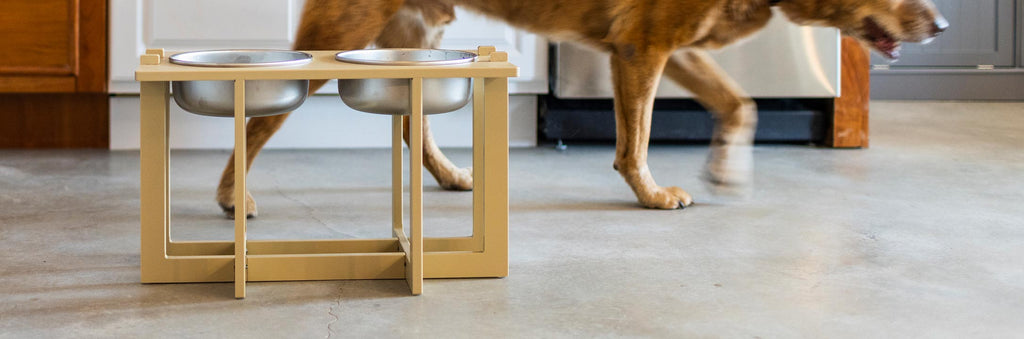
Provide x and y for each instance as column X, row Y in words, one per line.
column 850, row 117
column 62, row 120
column 85, row 65
column 70, row 110
column 37, row 84
column 74, row 17
column 92, row 46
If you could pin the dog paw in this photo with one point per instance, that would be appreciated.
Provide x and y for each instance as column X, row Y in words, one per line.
column 227, row 204
column 738, row 190
column 667, row 198
column 729, row 171
column 459, row 179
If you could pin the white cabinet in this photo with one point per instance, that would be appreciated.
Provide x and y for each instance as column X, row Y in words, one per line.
column 526, row 50
column 323, row 121
column 136, row 25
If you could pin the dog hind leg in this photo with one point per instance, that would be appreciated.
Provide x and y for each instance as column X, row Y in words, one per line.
column 420, row 24
column 636, row 75
column 258, row 132
column 326, row 25
column 729, row 167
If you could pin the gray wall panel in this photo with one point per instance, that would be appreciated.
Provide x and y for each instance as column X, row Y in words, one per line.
column 982, row 32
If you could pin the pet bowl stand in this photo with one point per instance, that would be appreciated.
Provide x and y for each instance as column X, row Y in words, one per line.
column 413, row 257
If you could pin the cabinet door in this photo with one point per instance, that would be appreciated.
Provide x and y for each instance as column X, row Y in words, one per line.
column 52, row 46
column 981, row 32
column 53, row 74
column 184, row 25
column 526, row 50
column 202, row 24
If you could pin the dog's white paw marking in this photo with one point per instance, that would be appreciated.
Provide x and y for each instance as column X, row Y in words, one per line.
column 666, row 198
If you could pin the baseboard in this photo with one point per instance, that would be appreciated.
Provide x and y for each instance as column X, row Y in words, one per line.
column 322, row 122
column 951, row 84
column 681, row 120
column 54, row 120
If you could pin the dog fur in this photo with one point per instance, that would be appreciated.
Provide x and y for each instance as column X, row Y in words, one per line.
column 645, row 39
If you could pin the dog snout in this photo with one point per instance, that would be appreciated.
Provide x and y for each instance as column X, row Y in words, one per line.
column 940, row 25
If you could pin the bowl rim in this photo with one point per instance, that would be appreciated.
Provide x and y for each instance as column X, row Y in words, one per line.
column 302, row 58
column 343, row 56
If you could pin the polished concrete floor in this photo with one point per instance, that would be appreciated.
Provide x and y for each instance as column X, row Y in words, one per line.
column 922, row 235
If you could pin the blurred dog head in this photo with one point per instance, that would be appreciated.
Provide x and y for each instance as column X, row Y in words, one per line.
column 882, row 24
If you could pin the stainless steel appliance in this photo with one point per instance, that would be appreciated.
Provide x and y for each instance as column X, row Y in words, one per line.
column 782, row 61
column 792, row 71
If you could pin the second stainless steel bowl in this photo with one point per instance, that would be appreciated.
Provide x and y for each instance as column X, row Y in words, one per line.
column 391, row 96
column 262, row 97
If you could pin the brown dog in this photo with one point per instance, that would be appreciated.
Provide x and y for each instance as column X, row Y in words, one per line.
column 646, row 38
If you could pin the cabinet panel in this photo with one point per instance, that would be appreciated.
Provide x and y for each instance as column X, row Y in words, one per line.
column 528, row 51
column 39, row 37
column 183, row 25
column 53, row 74
column 197, row 24
column 136, row 25
column 53, row 46
column 981, row 32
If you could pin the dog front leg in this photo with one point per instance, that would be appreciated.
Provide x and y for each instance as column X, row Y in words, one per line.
column 258, row 132
column 448, row 176
column 326, row 25
column 636, row 75
column 729, row 167
column 421, row 25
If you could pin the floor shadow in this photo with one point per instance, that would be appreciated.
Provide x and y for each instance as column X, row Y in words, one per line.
column 575, row 206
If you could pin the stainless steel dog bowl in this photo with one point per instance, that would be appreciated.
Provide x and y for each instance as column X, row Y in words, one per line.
column 391, row 96
column 262, row 97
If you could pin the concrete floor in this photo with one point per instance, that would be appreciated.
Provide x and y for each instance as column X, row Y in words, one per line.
column 922, row 235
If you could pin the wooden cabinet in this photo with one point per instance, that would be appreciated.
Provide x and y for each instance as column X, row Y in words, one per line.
column 53, row 71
